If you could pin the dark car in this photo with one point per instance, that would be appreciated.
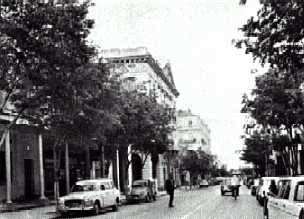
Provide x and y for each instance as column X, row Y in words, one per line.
column 254, row 187
column 142, row 190
column 226, row 186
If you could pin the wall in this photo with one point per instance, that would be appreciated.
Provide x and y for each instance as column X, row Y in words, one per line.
column 24, row 145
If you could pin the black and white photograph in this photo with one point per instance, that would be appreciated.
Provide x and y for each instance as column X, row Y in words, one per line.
column 152, row 109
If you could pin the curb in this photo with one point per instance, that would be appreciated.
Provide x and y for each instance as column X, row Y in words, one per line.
column 17, row 207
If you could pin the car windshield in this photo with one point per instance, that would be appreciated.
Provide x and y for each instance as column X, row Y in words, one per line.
column 139, row 184
column 83, row 188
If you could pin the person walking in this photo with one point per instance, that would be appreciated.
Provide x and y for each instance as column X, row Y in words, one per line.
column 169, row 186
column 235, row 183
column 188, row 180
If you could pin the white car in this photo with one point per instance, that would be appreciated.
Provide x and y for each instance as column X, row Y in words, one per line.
column 264, row 188
column 90, row 195
column 289, row 203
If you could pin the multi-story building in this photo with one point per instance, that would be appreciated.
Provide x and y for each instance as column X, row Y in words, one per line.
column 191, row 133
column 138, row 70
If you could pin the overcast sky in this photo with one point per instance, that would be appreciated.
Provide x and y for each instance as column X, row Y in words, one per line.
column 195, row 36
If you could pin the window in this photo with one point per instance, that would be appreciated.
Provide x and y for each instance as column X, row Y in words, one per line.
column 299, row 196
column 284, row 189
column 190, row 123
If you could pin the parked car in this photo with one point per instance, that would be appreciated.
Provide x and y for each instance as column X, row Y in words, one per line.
column 90, row 195
column 203, row 183
column 226, row 186
column 289, row 202
column 142, row 190
column 263, row 188
column 254, row 186
column 249, row 182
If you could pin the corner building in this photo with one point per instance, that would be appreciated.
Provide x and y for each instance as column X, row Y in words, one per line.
column 138, row 70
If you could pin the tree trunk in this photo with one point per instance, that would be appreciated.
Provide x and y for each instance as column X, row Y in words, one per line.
column 56, row 176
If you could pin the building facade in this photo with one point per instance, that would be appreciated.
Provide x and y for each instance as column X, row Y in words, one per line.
column 138, row 70
column 191, row 133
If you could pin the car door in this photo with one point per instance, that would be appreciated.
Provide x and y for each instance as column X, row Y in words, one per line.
column 294, row 204
column 283, row 200
column 108, row 194
column 103, row 194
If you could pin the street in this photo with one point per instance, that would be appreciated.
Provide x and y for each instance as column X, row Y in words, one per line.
column 202, row 203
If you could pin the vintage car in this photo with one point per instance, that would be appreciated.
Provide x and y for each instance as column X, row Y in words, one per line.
column 289, row 202
column 203, row 183
column 142, row 190
column 226, row 185
column 90, row 195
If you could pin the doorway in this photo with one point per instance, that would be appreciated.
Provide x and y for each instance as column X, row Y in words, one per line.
column 136, row 167
column 28, row 179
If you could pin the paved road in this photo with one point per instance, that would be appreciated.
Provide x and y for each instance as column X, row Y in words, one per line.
column 204, row 203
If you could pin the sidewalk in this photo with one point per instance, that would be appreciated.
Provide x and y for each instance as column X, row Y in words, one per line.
column 25, row 205
column 39, row 203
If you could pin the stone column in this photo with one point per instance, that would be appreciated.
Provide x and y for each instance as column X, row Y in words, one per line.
column 67, row 168
column 8, row 168
column 41, row 169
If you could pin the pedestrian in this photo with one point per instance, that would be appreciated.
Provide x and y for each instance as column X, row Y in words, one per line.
column 235, row 183
column 169, row 186
column 188, row 179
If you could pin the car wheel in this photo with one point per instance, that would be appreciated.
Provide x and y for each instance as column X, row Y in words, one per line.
column 96, row 208
column 115, row 206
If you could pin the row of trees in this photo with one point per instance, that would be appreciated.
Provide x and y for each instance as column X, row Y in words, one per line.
column 274, row 37
column 50, row 76
column 198, row 162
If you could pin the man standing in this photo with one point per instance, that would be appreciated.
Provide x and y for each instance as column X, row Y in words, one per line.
column 169, row 186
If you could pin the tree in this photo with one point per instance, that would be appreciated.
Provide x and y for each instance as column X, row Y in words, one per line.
column 196, row 162
column 275, row 35
column 278, row 108
column 43, row 66
column 146, row 125
column 256, row 152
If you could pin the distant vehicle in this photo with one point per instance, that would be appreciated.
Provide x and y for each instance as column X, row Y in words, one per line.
column 226, row 186
column 249, row 182
column 289, row 203
column 263, row 188
column 203, row 183
column 142, row 190
column 90, row 195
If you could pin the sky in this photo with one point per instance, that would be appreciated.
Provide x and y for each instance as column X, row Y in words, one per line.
column 195, row 36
